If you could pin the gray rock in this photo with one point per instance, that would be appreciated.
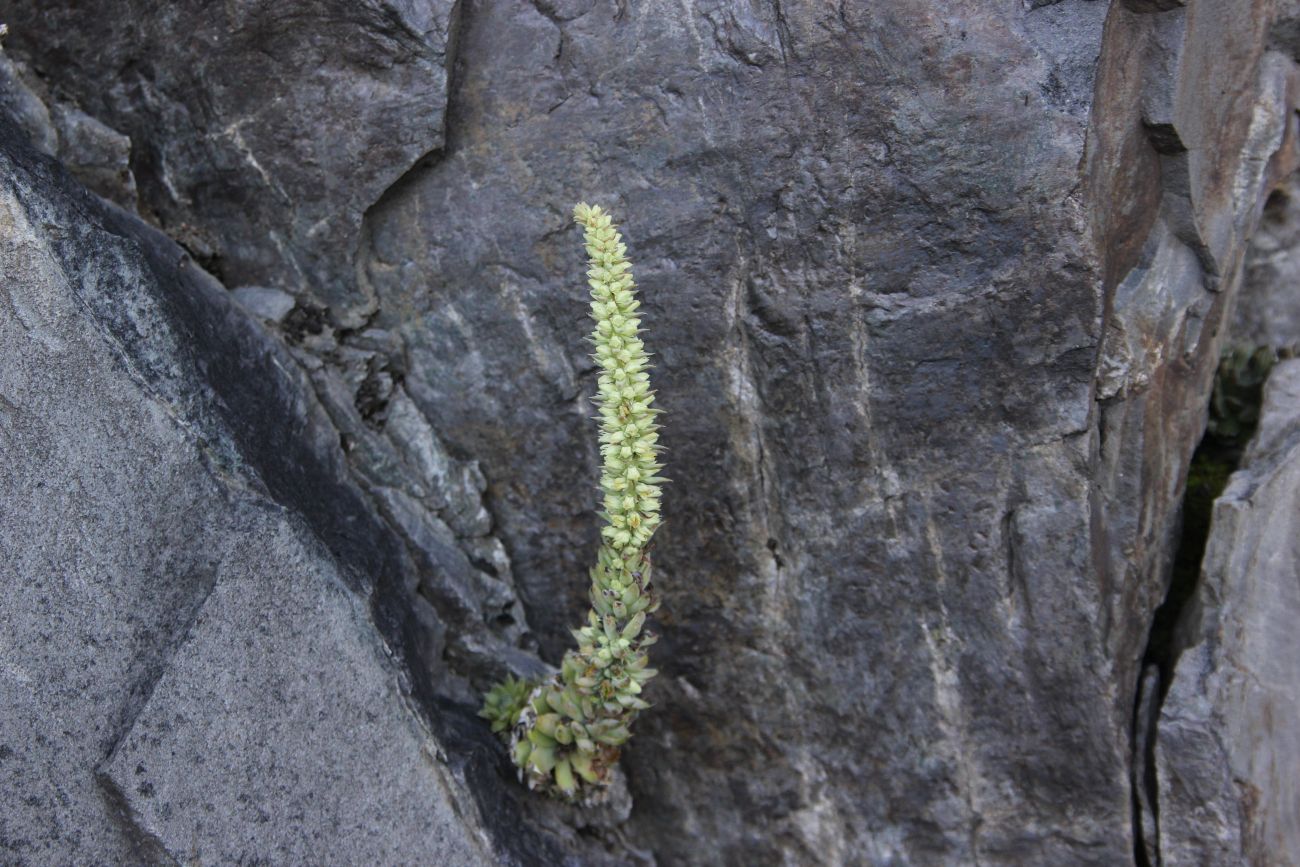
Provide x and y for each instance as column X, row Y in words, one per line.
column 919, row 531
column 278, row 733
column 100, row 157
column 270, row 304
column 1228, row 747
column 178, row 578
column 97, row 155
column 25, row 108
column 112, row 514
column 1268, row 311
column 935, row 315
column 285, row 123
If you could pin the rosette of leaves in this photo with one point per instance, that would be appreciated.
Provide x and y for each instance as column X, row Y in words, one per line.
column 565, row 733
column 504, row 702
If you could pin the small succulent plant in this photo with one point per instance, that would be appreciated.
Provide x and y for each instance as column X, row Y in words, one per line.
column 565, row 733
column 503, row 703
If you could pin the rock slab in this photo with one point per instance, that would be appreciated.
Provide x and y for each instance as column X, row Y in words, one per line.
column 186, row 670
column 1228, row 744
column 279, row 734
column 110, row 519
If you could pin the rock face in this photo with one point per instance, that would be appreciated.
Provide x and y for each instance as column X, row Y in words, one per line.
column 254, row 175
column 190, row 669
column 88, row 459
column 936, row 292
column 283, row 703
column 98, row 155
column 1228, row 749
column 1268, row 311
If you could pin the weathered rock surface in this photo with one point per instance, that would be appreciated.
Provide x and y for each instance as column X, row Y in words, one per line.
column 189, row 666
column 99, row 156
column 1268, row 311
column 278, row 733
column 285, row 122
column 936, row 292
column 107, row 548
column 1228, row 747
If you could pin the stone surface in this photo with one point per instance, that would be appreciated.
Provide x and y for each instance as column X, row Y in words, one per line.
column 1184, row 198
column 98, row 155
column 1228, row 747
column 1268, row 310
column 283, row 703
column 110, row 523
column 270, row 304
column 154, row 530
column 878, row 345
column 25, row 108
column 285, row 122
column 936, row 292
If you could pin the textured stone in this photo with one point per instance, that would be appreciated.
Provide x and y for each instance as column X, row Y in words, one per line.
column 25, row 108
column 1228, row 747
column 270, row 304
column 111, row 517
column 285, row 122
column 154, row 530
column 100, row 157
column 936, row 291
column 284, row 707
column 1267, row 312
column 97, row 155
column 1174, row 237
column 877, row 342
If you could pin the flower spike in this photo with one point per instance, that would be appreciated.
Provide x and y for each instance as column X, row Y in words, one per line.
column 565, row 733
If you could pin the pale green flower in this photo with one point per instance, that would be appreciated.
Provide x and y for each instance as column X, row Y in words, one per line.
column 565, row 735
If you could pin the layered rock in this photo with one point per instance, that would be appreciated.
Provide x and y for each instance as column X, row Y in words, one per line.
column 1227, row 751
column 284, row 122
column 937, row 292
column 205, row 637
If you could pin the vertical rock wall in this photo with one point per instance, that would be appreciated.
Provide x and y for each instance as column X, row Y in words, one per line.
column 936, row 291
column 1227, row 749
column 200, row 623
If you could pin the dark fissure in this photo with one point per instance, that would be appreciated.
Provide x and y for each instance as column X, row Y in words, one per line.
column 1233, row 415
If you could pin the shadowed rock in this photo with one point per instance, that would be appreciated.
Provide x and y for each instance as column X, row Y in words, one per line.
column 168, row 561
column 1227, row 746
column 937, row 291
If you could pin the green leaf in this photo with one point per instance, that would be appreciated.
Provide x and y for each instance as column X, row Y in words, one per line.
column 634, row 626
column 582, row 763
column 615, row 736
column 564, row 777
column 543, row 759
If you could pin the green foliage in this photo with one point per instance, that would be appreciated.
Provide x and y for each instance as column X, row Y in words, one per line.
column 567, row 735
column 503, row 702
